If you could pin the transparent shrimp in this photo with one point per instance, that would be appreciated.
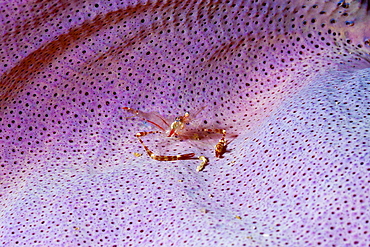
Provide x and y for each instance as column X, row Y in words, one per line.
column 176, row 129
column 160, row 122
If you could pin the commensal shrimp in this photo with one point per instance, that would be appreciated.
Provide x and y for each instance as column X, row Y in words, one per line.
column 220, row 147
column 174, row 129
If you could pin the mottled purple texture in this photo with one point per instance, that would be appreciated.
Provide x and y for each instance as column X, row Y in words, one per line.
column 288, row 81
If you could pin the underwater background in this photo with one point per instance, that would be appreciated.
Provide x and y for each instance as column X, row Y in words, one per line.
column 287, row 80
